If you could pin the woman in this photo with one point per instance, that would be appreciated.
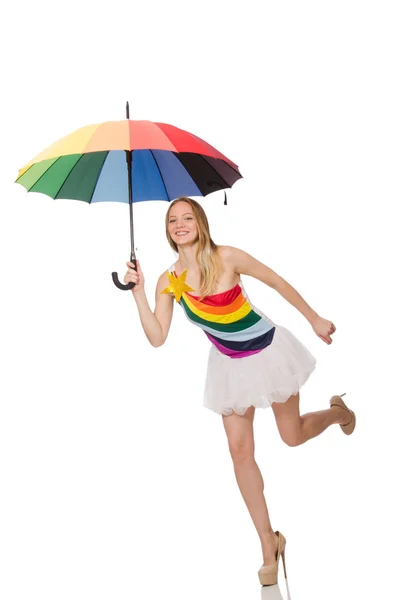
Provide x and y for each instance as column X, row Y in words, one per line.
column 253, row 363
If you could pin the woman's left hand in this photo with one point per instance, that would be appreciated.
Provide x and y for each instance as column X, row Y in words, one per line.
column 324, row 329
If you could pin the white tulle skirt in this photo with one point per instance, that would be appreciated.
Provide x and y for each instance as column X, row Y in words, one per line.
column 272, row 375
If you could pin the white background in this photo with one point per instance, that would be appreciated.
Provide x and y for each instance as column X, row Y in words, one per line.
column 115, row 481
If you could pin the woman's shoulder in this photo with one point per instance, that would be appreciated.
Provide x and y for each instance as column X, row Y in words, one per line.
column 162, row 283
column 228, row 253
column 163, row 277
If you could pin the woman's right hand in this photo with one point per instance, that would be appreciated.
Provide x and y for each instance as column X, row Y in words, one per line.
column 134, row 276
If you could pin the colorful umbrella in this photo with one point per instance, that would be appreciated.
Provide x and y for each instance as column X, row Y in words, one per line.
column 128, row 161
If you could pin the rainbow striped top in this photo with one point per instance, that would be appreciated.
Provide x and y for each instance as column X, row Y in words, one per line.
column 229, row 321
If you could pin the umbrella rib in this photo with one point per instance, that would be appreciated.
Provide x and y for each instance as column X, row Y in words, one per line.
column 225, row 162
column 66, row 178
column 218, row 174
column 45, row 172
column 161, row 175
column 99, row 174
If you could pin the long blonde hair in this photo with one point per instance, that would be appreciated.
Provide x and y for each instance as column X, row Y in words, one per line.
column 207, row 252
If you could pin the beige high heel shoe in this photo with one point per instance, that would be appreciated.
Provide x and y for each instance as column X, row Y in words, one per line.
column 268, row 573
column 349, row 427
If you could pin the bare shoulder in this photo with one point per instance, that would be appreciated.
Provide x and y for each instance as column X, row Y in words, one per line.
column 245, row 264
column 164, row 302
column 226, row 253
column 163, row 281
column 230, row 255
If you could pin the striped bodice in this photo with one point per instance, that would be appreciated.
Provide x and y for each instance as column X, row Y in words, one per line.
column 229, row 320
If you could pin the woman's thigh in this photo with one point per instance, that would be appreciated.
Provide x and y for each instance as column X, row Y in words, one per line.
column 287, row 417
column 240, row 431
column 288, row 410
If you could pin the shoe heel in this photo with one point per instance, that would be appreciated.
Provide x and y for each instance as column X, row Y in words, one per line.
column 285, row 568
column 285, row 574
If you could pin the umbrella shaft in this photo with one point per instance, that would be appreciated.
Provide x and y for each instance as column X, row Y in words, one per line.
column 129, row 169
column 132, row 255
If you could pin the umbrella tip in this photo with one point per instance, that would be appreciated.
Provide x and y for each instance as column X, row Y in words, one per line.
column 225, row 200
column 127, row 108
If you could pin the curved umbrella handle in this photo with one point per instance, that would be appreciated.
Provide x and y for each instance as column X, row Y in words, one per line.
column 123, row 286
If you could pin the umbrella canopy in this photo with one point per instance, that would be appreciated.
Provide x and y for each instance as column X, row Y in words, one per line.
column 90, row 164
column 128, row 161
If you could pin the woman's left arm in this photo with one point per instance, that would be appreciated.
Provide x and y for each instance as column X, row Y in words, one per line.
column 246, row 264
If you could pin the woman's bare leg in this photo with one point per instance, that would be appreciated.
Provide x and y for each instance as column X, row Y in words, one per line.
column 296, row 429
column 240, row 434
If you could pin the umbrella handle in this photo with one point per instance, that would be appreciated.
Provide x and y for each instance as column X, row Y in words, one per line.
column 123, row 286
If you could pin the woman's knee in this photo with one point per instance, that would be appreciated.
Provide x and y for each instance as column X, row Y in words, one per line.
column 241, row 449
column 291, row 433
column 240, row 434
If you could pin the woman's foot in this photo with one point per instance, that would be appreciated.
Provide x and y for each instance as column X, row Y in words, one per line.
column 269, row 548
column 268, row 573
column 341, row 414
column 348, row 423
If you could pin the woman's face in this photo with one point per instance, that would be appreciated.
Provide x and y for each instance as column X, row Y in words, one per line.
column 182, row 224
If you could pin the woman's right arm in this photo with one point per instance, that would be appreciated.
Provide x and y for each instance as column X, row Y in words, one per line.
column 155, row 324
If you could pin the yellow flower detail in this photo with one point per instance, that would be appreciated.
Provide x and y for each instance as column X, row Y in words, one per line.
column 177, row 285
